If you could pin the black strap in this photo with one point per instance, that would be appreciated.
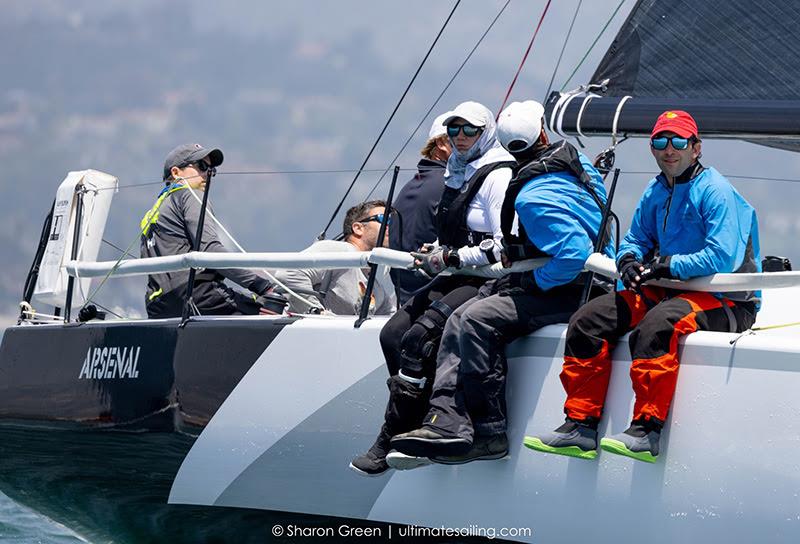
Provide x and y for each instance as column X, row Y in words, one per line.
column 451, row 215
column 558, row 157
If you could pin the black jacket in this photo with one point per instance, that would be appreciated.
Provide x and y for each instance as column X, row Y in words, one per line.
column 416, row 207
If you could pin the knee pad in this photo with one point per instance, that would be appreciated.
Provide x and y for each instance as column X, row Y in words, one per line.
column 421, row 342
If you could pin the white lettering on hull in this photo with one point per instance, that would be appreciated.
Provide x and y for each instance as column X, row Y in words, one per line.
column 111, row 363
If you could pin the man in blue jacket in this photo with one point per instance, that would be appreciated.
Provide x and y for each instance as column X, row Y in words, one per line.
column 690, row 222
column 558, row 197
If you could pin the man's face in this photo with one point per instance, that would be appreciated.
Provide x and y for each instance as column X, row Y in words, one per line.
column 368, row 229
column 673, row 162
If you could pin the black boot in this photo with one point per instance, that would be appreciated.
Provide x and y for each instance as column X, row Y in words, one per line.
column 373, row 463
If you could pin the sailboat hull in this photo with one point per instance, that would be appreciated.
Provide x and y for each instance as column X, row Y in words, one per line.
column 233, row 425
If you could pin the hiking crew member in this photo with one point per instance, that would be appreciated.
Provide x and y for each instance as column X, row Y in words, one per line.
column 416, row 207
column 689, row 222
column 170, row 227
column 469, row 233
column 558, row 197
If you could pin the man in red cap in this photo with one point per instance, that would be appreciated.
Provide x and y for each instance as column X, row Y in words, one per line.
column 689, row 222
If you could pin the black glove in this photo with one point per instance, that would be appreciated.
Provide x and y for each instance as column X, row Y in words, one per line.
column 516, row 284
column 436, row 259
column 656, row 269
column 630, row 271
column 272, row 303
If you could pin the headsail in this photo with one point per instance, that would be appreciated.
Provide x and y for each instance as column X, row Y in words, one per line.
column 733, row 64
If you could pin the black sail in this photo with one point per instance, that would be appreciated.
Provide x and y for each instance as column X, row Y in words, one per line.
column 733, row 64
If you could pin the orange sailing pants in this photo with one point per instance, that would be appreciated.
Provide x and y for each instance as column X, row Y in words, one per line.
column 658, row 318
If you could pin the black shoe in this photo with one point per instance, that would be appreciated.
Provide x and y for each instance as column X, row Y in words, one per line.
column 484, row 448
column 424, row 442
column 373, row 463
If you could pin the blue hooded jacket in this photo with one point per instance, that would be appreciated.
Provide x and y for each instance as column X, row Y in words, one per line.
column 703, row 223
column 562, row 220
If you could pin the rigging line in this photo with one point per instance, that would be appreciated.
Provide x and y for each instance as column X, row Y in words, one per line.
column 522, row 62
column 563, row 48
column 119, row 249
column 307, row 301
column 342, row 171
column 602, row 31
column 438, row 98
column 112, row 312
column 256, row 172
column 735, row 176
column 386, row 126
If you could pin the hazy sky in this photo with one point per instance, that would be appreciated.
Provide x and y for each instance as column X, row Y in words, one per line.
column 302, row 85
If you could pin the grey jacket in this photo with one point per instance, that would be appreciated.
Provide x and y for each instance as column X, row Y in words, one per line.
column 169, row 228
column 339, row 290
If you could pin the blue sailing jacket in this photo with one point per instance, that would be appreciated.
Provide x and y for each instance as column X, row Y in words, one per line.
column 703, row 223
column 562, row 219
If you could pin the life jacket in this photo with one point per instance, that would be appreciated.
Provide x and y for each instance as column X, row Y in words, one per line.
column 558, row 157
column 451, row 215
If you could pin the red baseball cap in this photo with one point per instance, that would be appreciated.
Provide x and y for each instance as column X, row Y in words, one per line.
column 677, row 121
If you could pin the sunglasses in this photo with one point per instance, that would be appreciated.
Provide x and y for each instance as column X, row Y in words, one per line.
column 201, row 166
column 468, row 130
column 378, row 218
column 677, row 142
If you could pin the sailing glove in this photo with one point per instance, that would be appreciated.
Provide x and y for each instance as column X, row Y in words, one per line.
column 630, row 271
column 656, row 269
column 436, row 259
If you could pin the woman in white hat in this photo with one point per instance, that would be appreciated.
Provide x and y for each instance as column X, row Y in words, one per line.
column 469, row 234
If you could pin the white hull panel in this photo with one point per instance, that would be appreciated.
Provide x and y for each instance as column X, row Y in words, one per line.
column 315, row 398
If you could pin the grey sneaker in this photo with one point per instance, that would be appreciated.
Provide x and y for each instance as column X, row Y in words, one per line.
column 572, row 439
column 424, row 442
column 401, row 461
column 636, row 442
column 373, row 462
column 484, row 448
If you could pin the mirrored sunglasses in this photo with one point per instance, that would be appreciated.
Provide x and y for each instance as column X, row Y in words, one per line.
column 677, row 142
column 468, row 130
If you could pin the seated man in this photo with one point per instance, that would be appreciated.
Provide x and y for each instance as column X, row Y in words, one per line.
column 558, row 196
column 170, row 227
column 341, row 290
column 696, row 224
column 416, row 207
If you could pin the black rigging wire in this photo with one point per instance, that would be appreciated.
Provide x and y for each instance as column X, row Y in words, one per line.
column 561, row 55
column 419, row 68
column 438, row 98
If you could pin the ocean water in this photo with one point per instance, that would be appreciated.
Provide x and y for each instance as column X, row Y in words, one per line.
column 20, row 525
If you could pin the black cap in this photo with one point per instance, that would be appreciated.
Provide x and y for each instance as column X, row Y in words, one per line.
column 186, row 154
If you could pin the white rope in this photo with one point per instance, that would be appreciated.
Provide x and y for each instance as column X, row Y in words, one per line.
column 557, row 109
column 616, row 121
column 588, row 98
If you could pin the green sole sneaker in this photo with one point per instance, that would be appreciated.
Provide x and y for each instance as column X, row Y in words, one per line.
column 615, row 446
column 535, row 443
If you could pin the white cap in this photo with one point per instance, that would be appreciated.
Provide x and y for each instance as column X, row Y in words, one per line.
column 520, row 125
column 472, row 112
column 438, row 128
